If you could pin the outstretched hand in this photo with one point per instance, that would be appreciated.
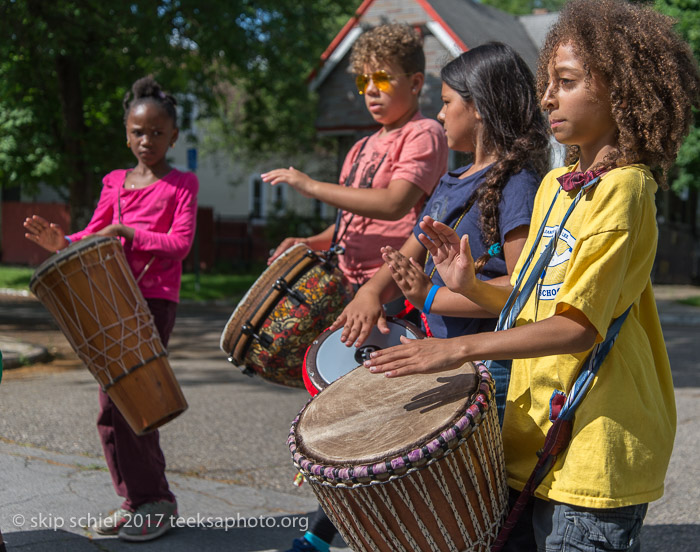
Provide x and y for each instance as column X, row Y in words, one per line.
column 48, row 235
column 408, row 275
column 298, row 180
column 415, row 356
column 452, row 256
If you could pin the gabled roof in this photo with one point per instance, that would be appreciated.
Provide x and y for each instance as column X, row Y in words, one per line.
column 457, row 24
column 476, row 23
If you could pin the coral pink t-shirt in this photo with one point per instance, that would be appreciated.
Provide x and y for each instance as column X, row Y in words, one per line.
column 164, row 217
column 416, row 152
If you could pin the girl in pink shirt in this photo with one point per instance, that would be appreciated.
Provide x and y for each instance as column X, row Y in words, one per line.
column 152, row 208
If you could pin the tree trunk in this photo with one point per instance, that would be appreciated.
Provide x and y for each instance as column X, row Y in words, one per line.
column 81, row 185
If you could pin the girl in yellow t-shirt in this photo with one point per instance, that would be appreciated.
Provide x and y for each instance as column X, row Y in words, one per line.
column 618, row 85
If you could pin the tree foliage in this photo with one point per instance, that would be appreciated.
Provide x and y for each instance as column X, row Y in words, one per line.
column 686, row 174
column 65, row 66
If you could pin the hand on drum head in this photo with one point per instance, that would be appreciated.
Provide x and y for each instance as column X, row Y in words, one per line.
column 415, row 356
column 358, row 318
column 452, row 256
column 48, row 235
column 408, row 275
column 281, row 248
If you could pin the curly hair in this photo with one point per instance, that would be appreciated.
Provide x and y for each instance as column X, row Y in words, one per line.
column 146, row 89
column 386, row 43
column 502, row 87
column 649, row 70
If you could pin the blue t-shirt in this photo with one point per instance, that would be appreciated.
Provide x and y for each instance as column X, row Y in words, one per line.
column 447, row 204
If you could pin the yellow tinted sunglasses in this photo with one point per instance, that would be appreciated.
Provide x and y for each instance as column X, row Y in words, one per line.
column 381, row 79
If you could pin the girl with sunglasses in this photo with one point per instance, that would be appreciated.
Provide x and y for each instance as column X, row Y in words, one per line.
column 386, row 176
column 489, row 110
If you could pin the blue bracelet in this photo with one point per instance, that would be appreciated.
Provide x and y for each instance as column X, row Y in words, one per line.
column 430, row 298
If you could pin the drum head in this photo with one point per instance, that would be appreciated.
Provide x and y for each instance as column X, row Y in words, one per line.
column 328, row 358
column 364, row 418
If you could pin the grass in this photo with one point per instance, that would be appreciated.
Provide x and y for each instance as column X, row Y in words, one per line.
column 216, row 286
column 229, row 286
column 15, row 277
column 692, row 301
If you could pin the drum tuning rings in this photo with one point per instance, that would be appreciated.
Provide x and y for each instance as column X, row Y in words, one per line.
column 294, row 295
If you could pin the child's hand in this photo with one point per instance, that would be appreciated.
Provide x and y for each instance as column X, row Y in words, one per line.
column 48, row 235
column 415, row 356
column 408, row 275
column 281, row 248
column 452, row 256
column 117, row 231
column 298, row 180
column 359, row 317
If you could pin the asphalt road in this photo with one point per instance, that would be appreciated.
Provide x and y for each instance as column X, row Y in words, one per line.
column 235, row 430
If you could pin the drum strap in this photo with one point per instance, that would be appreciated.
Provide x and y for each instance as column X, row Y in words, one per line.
column 348, row 182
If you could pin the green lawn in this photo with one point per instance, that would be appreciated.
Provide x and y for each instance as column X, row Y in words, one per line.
column 211, row 286
column 15, row 277
column 693, row 301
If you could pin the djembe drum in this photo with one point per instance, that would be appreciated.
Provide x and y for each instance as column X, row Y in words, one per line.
column 93, row 296
column 328, row 358
column 408, row 464
column 297, row 297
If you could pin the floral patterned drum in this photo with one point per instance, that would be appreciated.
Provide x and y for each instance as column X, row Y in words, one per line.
column 292, row 302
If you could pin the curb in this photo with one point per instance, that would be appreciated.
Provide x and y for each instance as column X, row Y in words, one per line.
column 16, row 354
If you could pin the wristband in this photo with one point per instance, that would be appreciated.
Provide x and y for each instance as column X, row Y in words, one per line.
column 430, row 298
column 70, row 241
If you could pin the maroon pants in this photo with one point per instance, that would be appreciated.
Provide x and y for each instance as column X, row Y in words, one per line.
column 137, row 464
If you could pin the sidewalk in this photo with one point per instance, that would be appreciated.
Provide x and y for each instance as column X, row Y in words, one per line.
column 46, row 498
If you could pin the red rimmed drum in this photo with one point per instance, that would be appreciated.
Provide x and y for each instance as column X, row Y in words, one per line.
column 406, row 464
column 328, row 358
column 92, row 294
column 297, row 297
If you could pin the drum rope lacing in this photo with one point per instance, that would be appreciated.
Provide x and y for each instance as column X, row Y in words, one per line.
column 485, row 527
column 99, row 358
column 445, row 443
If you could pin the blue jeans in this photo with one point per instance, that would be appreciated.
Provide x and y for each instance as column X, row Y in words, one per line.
column 500, row 372
column 548, row 526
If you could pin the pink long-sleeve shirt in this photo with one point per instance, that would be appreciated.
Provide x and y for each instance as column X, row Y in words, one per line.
column 163, row 216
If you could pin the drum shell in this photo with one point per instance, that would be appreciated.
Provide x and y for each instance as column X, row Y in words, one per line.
column 453, row 499
column 92, row 294
column 289, row 325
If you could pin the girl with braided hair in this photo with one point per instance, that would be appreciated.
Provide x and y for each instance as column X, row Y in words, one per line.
column 490, row 110
column 152, row 208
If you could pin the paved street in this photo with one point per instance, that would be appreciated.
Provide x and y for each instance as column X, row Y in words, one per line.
column 227, row 456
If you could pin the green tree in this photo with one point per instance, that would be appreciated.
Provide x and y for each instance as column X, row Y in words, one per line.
column 686, row 173
column 65, row 66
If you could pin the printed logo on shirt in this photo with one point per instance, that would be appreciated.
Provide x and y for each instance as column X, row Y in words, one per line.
column 556, row 270
column 438, row 209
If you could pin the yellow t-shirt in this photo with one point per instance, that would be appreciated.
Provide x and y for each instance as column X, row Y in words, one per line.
column 624, row 429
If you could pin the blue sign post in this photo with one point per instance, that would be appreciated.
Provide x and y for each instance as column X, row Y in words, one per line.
column 192, row 166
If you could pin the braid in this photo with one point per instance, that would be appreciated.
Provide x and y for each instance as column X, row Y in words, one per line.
column 527, row 152
column 147, row 89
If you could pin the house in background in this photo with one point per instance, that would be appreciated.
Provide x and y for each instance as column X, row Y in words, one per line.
column 449, row 27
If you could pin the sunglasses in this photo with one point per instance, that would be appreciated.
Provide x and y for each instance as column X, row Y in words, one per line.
column 381, row 79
